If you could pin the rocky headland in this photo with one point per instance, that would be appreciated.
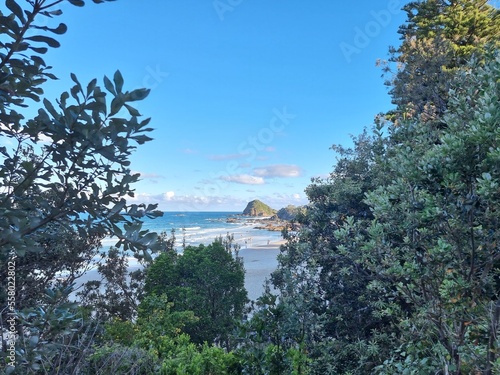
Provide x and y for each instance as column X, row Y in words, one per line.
column 267, row 218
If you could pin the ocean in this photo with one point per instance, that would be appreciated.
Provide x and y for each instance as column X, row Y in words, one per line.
column 203, row 227
column 259, row 259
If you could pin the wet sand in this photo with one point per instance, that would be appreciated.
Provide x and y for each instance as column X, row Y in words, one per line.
column 259, row 261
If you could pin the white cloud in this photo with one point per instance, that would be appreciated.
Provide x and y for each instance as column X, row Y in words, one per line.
column 169, row 195
column 168, row 201
column 279, row 170
column 245, row 179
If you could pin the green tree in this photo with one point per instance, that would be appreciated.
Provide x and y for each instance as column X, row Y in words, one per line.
column 273, row 340
column 435, row 231
column 64, row 257
column 64, row 172
column 438, row 38
column 78, row 176
column 360, row 271
column 324, row 285
column 158, row 333
column 206, row 280
column 118, row 293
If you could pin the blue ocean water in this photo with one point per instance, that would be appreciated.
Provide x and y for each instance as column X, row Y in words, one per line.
column 203, row 227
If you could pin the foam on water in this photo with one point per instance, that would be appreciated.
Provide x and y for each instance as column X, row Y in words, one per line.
column 202, row 228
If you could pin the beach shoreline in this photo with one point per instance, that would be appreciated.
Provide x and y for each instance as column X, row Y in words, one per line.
column 259, row 262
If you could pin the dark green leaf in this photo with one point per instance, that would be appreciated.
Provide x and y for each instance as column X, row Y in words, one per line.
column 116, row 105
column 138, row 94
column 38, row 60
column 22, row 47
column 141, row 139
column 91, row 86
column 109, row 85
column 78, row 3
column 118, row 78
column 50, row 75
column 61, row 29
column 48, row 105
column 147, row 255
column 74, row 93
column 117, row 208
column 12, row 25
column 16, row 9
column 56, row 12
column 40, row 50
column 45, row 39
column 132, row 111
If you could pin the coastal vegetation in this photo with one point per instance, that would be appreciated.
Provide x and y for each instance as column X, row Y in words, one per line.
column 258, row 208
column 394, row 268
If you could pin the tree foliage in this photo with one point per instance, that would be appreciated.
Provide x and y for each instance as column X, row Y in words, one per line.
column 206, row 280
column 438, row 38
column 395, row 269
column 65, row 176
column 69, row 164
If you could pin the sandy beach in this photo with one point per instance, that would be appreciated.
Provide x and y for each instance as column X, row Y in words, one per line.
column 260, row 261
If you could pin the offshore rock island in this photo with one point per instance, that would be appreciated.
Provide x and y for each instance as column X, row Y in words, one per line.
column 258, row 208
column 268, row 218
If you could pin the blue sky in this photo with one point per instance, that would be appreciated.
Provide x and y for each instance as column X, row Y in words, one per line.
column 246, row 97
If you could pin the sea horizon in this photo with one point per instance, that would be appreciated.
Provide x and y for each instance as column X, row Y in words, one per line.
column 192, row 228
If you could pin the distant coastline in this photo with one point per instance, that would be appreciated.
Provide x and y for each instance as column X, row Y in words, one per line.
column 258, row 248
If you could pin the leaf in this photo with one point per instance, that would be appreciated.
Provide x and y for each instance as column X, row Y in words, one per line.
column 118, row 78
column 74, row 93
column 91, row 86
column 61, row 29
column 147, row 256
column 38, row 60
column 11, row 24
column 78, row 3
column 138, row 94
column 35, row 366
column 116, row 105
column 21, row 252
column 45, row 39
column 33, row 340
column 50, row 108
column 16, row 9
column 40, row 50
column 109, row 85
column 56, row 12
column 141, row 139
column 75, row 79
column 148, row 239
column 486, row 176
column 132, row 111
